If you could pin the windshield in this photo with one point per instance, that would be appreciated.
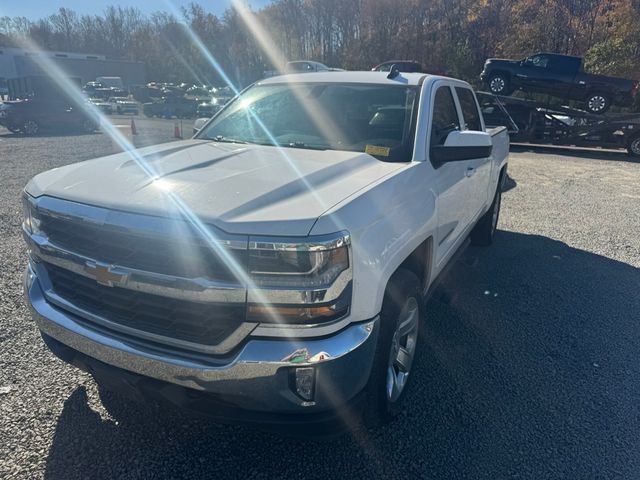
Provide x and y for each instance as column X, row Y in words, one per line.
column 375, row 119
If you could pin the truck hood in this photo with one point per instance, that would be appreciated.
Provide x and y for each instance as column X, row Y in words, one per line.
column 242, row 189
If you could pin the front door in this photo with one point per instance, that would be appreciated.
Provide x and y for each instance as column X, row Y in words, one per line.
column 453, row 187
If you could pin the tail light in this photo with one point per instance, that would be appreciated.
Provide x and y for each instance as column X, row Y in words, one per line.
column 636, row 87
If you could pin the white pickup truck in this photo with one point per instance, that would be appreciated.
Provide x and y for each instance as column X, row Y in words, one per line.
column 274, row 267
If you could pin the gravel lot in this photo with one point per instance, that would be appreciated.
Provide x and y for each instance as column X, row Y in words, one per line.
column 530, row 368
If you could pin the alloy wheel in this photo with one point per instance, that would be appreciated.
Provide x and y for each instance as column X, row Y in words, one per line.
column 30, row 127
column 497, row 84
column 597, row 103
column 403, row 348
column 635, row 146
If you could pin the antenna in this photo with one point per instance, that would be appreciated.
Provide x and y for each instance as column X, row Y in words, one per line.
column 394, row 72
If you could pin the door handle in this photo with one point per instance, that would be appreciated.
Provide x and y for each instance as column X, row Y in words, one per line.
column 469, row 171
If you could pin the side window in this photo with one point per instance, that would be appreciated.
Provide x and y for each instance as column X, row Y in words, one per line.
column 445, row 116
column 539, row 61
column 471, row 116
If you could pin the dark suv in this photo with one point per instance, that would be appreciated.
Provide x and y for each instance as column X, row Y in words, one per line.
column 561, row 76
column 171, row 106
column 34, row 115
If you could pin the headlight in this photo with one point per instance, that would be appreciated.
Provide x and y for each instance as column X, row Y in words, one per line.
column 298, row 281
column 30, row 221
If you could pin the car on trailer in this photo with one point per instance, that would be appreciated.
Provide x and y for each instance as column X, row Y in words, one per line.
column 541, row 123
column 562, row 76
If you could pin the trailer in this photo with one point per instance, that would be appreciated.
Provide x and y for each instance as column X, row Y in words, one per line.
column 538, row 123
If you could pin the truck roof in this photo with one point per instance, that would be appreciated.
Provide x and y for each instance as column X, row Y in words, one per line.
column 347, row 77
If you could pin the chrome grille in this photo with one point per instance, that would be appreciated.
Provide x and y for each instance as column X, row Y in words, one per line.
column 194, row 322
column 175, row 289
column 180, row 254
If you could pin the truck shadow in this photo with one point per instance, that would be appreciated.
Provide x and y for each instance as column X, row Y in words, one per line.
column 529, row 368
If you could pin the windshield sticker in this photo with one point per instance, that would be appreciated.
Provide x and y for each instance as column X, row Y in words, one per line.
column 379, row 151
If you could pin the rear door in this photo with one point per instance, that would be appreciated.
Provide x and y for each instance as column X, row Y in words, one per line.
column 478, row 171
column 451, row 185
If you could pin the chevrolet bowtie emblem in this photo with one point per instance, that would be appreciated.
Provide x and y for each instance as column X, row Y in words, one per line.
column 104, row 274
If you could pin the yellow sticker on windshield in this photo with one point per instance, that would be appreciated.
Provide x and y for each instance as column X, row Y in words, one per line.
column 379, row 151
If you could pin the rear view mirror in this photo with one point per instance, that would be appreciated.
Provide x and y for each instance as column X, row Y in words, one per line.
column 459, row 146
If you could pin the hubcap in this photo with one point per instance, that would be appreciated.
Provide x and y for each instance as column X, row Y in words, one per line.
column 403, row 348
column 497, row 84
column 30, row 127
column 635, row 146
column 597, row 103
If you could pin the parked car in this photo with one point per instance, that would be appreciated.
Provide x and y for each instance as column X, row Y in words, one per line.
column 113, row 82
column 273, row 269
column 305, row 66
column 403, row 65
column 90, row 88
column 207, row 109
column 107, row 92
column 199, row 123
column 101, row 104
column 172, row 106
column 35, row 115
column 122, row 105
column 561, row 76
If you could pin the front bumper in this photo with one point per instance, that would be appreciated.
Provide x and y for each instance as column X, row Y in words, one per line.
column 257, row 378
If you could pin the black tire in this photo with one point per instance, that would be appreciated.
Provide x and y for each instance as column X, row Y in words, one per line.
column 633, row 147
column 597, row 102
column 485, row 230
column 379, row 407
column 499, row 84
column 30, row 127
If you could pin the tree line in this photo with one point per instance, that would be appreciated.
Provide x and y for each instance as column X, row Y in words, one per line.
column 453, row 36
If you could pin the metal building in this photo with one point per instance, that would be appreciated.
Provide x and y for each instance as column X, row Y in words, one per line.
column 18, row 62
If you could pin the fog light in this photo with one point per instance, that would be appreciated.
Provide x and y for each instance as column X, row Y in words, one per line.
column 305, row 382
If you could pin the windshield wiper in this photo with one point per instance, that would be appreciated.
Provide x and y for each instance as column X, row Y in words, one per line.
column 223, row 139
column 305, row 145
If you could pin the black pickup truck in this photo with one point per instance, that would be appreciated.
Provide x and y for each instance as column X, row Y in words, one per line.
column 561, row 76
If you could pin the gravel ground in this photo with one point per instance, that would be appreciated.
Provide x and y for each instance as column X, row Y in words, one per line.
column 529, row 370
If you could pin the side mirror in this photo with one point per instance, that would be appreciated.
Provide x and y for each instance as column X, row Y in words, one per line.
column 459, row 146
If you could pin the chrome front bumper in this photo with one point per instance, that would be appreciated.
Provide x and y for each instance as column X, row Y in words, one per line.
column 257, row 378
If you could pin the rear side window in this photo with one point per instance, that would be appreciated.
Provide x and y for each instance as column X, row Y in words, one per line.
column 471, row 116
column 445, row 116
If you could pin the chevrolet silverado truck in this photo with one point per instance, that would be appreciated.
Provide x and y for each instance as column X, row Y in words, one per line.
column 561, row 76
column 274, row 267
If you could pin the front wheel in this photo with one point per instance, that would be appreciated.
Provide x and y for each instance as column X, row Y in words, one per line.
column 30, row 127
column 485, row 230
column 499, row 84
column 598, row 103
column 400, row 319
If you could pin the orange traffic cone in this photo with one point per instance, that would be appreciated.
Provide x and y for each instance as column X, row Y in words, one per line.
column 176, row 131
column 134, row 131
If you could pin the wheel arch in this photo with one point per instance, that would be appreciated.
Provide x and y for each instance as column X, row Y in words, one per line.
column 499, row 71
column 419, row 262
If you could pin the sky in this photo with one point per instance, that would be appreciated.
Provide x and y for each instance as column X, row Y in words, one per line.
column 35, row 9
